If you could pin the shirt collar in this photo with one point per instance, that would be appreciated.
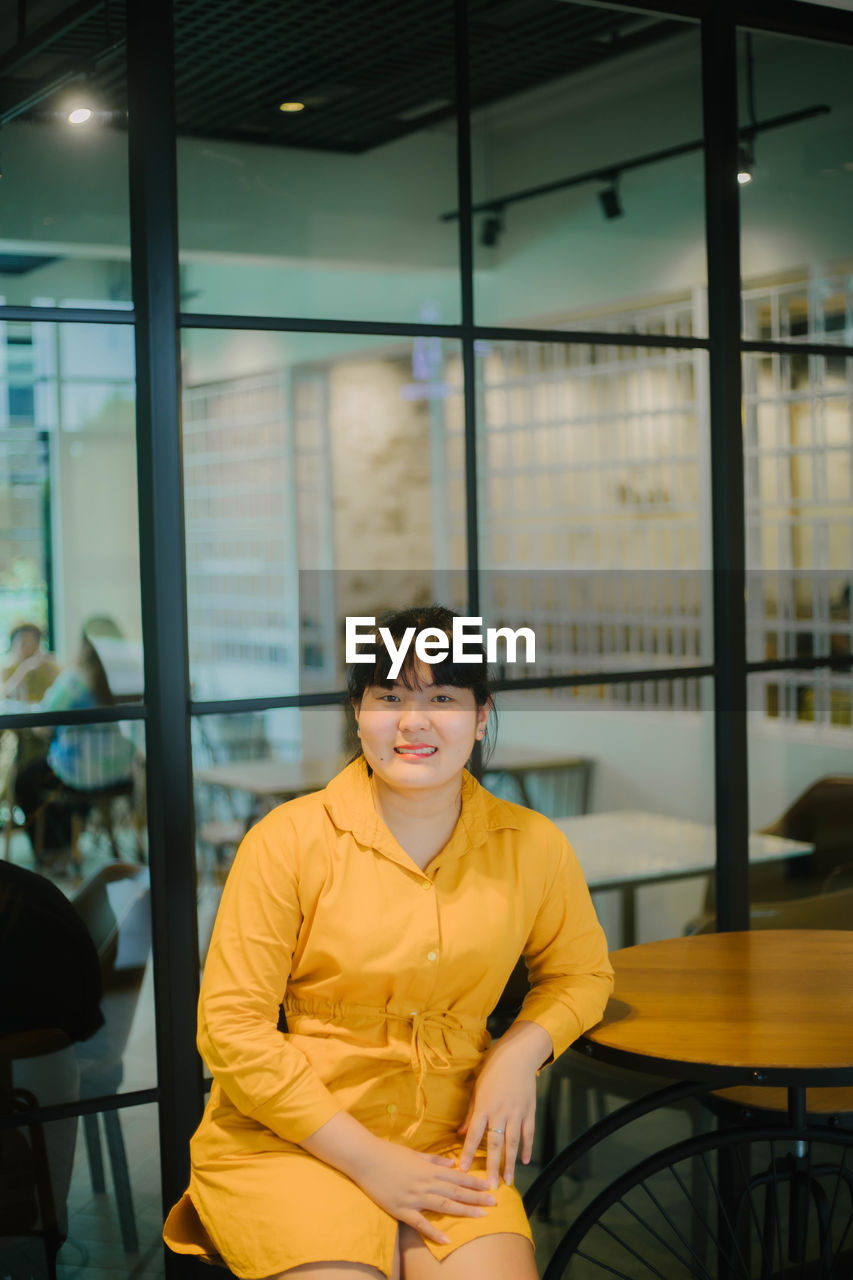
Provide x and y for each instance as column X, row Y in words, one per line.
column 348, row 799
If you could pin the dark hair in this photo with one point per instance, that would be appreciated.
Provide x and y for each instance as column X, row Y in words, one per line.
column 19, row 627
column 89, row 662
column 459, row 675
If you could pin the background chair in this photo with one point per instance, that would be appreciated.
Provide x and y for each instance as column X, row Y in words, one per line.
column 115, row 906
column 37, row 1068
column 558, row 790
column 822, row 816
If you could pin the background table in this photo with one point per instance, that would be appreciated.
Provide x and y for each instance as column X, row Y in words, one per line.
column 767, row 1008
column 273, row 779
column 628, row 848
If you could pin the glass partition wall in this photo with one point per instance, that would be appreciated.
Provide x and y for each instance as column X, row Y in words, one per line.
column 459, row 305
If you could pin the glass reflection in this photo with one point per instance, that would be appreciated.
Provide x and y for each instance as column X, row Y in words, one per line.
column 801, row 796
column 69, row 544
column 595, row 505
column 568, row 100
column 332, row 210
column 796, row 237
column 314, row 466
column 75, row 919
column 630, row 784
column 59, row 1217
column 244, row 764
column 66, row 226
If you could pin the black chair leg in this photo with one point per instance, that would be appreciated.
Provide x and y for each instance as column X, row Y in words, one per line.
column 93, row 1150
column 121, row 1181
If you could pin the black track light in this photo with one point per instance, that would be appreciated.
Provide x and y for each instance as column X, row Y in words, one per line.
column 611, row 205
column 491, row 228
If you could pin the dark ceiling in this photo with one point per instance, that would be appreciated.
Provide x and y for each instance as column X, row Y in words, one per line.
column 367, row 72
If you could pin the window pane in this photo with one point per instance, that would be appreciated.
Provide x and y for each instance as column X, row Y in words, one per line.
column 801, row 797
column 644, row 818
column 331, row 209
column 313, row 466
column 799, row 503
column 69, row 548
column 246, row 763
column 594, row 502
column 796, row 235
column 64, row 239
column 562, row 91
column 94, row 1233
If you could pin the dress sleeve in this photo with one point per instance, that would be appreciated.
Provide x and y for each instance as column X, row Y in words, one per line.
column 248, row 964
column 566, row 956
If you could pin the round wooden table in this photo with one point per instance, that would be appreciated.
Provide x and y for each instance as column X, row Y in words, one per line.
column 714, row 1012
column 769, row 1007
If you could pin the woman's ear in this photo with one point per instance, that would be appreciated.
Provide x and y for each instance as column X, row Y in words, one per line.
column 482, row 718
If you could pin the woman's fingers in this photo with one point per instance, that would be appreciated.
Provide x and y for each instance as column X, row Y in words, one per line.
column 528, row 1132
column 512, row 1139
column 425, row 1227
column 434, row 1159
column 495, row 1140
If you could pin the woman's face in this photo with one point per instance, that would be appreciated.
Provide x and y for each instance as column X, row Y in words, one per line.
column 418, row 738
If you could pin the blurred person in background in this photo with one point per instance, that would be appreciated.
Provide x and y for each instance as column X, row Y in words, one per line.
column 81, row 759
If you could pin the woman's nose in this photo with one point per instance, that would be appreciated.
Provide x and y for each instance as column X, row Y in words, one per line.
column 413, row 715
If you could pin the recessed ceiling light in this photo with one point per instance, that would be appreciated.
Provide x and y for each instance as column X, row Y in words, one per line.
column 79, row 115
column 292, row 106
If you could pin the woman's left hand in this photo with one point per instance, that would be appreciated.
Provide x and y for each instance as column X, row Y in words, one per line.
column 503, row 1102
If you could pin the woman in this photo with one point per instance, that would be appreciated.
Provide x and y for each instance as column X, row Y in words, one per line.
column 379, row 1135
column 80, row 758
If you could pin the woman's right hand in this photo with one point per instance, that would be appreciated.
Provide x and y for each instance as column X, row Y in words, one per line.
column 408, row 1184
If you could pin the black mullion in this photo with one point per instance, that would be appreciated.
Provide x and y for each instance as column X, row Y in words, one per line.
column 394, row 329
column 154, row 243
column 719, row 95
column 793, row 348
column 466, row 280
column 68, row 315
column 79, row 1107
column 337, row 697
column 81, row 715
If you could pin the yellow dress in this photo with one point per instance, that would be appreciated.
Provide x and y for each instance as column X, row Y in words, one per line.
column 387, row 974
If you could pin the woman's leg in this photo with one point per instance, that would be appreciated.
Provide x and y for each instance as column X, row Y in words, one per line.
column 340, row 1270
column 503, row 1256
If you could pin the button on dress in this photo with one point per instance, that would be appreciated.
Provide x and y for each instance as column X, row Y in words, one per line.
column 386, row 974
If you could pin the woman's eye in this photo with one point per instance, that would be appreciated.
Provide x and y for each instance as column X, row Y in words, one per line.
column 388, row 697
column 442, row 697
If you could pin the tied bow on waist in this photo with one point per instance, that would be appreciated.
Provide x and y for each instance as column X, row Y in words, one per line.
column 441, row 1040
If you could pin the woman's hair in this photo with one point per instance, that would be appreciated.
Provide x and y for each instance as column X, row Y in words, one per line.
column 93, row 670
column 459, row 675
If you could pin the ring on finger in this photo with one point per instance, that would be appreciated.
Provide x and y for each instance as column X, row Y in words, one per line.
column 493, row 1130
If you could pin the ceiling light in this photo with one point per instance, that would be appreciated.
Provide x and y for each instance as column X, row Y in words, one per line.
column 80, row 115
column 611, row 205
column 291, row 106
column 745, row 164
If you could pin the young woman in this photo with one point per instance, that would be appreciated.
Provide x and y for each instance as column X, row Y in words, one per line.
column 377, row 1132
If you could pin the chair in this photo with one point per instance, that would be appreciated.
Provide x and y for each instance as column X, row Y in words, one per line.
column 82, row 806
column 822, row 816
column 558, row 790
column 37, row 1068
column 819, row 911
column 116, row 909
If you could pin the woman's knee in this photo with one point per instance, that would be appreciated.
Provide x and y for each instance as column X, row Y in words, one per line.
column 502, row 1256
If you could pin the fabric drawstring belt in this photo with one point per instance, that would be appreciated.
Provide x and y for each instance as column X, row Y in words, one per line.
column 430, row 1050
